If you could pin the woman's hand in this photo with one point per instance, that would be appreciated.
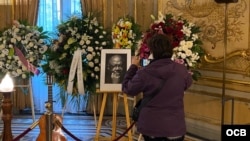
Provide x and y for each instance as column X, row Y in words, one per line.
column 135, row 60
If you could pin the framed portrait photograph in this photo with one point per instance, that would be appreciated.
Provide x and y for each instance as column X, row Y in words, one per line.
column 114, row 64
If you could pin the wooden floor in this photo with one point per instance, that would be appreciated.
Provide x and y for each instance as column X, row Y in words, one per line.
column 81, row 127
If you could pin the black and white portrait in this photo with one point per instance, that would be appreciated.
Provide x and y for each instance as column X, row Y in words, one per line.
column 114, row 64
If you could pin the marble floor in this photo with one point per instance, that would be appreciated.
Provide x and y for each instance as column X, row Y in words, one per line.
column 82, row 127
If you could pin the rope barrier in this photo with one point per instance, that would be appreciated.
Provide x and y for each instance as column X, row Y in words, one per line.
column 123, row 134
column 66, row 131
column 26, row 131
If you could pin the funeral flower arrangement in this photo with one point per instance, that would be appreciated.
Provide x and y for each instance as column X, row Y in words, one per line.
column 126, row 33
column 22, row 48
column 85, row 36
column 186, row 43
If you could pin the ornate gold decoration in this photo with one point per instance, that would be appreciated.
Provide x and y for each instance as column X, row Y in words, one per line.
column 244, row 53
column 196, row 8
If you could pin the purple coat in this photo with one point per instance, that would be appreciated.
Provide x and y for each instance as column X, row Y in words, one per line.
column 163, row 116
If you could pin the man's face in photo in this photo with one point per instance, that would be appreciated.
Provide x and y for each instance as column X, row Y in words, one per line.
column 116, row 67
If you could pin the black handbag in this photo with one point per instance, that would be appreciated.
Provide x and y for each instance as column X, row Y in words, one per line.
column 142, row 102
column 136, row 111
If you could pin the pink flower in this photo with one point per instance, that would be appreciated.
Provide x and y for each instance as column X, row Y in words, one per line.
column 180, row 61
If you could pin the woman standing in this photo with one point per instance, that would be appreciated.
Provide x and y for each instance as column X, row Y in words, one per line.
column 162, row 118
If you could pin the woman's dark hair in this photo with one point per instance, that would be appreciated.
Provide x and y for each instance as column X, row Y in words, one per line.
column 160, row 46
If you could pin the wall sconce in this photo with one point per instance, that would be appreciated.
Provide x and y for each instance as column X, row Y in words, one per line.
column 6, row 88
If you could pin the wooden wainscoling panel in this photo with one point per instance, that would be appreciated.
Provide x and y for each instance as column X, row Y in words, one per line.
column 113, row 9
column 139, row 9
column 204, row 98
column 5, row 16
column 207, row 108
column 145, row 8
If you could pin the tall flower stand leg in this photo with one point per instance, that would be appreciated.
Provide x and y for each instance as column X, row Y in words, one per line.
column 32, row 100
column 93, row 104
column 29, row 86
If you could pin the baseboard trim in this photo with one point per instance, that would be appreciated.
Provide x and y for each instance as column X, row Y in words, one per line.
column 203, row 130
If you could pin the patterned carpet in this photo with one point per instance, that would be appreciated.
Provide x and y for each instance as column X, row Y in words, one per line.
column 80, row 126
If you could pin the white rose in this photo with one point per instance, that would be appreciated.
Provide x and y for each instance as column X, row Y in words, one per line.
column 40, row 41
column 188, row 52
column 93, row 53
column 13, row 40
column 104, row 43
column 90, row 49
column 183, row 55
column 84, row 51
column 88, row 42
column 78, row 36
column 91, row 64
column 24, row 68
column 189, row 44
column 10, row 46
column 31, row 59
column 19, row 38
column 96, row 61
column 16, row 30
column 97, row 69
column 19, row 71
column 1, row 46
column 85, row 37
column 24, row 42
column 24, row 76
column 81, row 42
column 96, row 31
column 89, row 57
column 66, row 46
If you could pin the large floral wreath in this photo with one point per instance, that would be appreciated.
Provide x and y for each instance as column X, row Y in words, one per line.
column 77, row 34
column 126, row 33
column 185, row 40
column 22, row 48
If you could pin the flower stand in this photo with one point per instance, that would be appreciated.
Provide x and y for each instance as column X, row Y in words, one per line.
column 29, row 86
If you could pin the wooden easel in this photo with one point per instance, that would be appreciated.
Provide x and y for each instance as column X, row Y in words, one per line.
column 115, row 105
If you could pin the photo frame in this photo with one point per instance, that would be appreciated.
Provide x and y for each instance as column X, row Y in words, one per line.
column 114, row 64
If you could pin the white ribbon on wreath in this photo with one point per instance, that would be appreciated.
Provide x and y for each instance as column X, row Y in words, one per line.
column 76, row 66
